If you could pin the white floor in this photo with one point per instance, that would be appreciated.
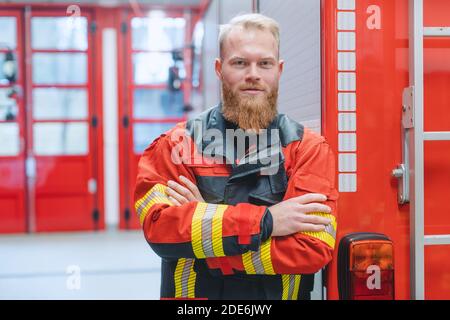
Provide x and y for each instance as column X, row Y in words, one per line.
column 102, row 265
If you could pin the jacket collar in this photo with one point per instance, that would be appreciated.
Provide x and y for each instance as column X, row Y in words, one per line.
column 266, row 159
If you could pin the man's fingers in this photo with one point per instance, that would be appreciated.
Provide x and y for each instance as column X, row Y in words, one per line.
column 308, row 227
column 192, row 187
column 175, row 195
column 190, row 192
column 309, row 218
column 315, row 207
column 174, row 201
column 181, row 190
column 310, row 197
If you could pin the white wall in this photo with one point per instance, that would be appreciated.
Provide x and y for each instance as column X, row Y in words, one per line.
column 231, row 8
column 110, row 128
column 300, row 86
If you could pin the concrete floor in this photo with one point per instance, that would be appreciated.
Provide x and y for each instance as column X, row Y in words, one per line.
column 103, row 265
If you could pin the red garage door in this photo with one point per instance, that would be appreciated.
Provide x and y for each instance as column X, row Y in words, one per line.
column 48, row 155
column 12, row 129
column 153, row 45
column 62, row 128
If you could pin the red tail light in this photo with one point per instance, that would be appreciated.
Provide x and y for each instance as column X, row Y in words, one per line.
column 366, row 267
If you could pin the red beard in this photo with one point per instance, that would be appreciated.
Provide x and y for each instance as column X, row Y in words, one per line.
column 252, row 113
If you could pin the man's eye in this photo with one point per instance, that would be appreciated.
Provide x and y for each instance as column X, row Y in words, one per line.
column 266, row 64
column 239, row 63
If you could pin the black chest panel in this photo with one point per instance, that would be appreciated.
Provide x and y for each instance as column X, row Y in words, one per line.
column 254, row 188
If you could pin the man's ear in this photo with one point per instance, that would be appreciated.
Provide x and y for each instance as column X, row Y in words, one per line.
column 281, row 66
column 218, row 68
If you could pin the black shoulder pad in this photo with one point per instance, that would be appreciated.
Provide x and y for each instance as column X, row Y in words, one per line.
column 206, row 120
column 290, row 130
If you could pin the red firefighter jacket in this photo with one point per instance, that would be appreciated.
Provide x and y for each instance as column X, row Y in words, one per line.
column 222, row 248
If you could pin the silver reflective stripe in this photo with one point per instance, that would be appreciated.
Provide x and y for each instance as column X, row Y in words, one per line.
column 147, row 200
column 257, row 263
column 207, row 230
column 291, row 287
column 185, row 277
column 329, row 229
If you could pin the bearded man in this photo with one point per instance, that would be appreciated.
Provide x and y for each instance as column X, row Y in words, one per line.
column 240, row 225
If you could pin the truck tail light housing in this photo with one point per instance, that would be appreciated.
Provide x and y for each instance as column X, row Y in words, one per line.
column 366, row 267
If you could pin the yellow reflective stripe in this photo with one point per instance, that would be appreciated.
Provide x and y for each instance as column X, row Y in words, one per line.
column 217, row 240
column 185, row 278
column 259, row 262
column 207, row 236
column 285, row 281
column 327, row 236
column 248, row 263
column 266, row 258
column 177, row 277
column 155, row 195
column 197, row 230
column 191, row 281
column 291, row 286
column 323, row 236
column 155, row 200
column 298, row 279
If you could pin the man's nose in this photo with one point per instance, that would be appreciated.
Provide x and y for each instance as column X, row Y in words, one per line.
column 253, row 73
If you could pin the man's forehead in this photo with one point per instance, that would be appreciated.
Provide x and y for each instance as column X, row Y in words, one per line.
column 240, row 41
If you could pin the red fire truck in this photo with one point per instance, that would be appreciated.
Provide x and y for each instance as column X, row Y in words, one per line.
column 386, row 68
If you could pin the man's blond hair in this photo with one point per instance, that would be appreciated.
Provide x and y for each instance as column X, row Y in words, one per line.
column 250, row 21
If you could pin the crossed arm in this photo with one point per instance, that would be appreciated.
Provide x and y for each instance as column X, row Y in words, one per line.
column 289, row 216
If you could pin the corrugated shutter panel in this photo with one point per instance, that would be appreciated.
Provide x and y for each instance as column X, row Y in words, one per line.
column 300, row 86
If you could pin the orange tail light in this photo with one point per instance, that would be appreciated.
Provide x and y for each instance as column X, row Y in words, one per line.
column 366, row 267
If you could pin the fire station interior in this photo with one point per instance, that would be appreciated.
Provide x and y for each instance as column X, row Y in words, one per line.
column 86, row 86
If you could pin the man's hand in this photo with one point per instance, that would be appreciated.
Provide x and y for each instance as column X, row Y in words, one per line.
column 180, row 194
column 292, row 215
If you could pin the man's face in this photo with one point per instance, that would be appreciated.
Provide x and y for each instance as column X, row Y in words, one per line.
column 250, row 72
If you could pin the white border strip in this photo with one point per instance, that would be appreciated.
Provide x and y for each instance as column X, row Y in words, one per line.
column 346, row 83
